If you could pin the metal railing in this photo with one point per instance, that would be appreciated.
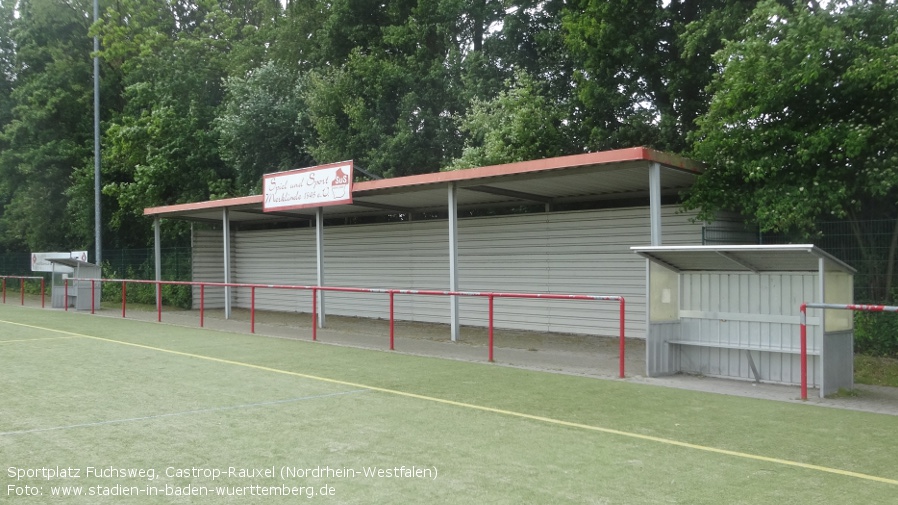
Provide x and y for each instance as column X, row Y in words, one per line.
column 804, row 330
column 491, row 296
column 22, row 279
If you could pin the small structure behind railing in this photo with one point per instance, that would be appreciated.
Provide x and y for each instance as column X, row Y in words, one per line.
column 491, row 296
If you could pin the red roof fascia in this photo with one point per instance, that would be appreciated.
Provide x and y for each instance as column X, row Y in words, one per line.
column 210, row 204
column 523, row 167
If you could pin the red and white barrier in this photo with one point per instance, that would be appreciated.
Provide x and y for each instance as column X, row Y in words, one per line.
column 804, row 330
column 491, row 296
column 22, row 279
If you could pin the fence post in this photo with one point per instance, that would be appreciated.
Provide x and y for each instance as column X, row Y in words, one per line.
column 314, row 313
column 491, row 328
column 622, row 339
column 392, row 296
column 803, row 319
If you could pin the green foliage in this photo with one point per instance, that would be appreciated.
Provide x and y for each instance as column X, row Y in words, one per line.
column 876, row 334
column 47, row 122
column 201, row 97
column 803, row 123
column 519, row 124
column 389, row 102
column 878, row 371
column 644, row 65
column 172, row 295
column 264, row 126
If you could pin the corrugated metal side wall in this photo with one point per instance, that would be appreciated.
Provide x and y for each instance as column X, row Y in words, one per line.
column 751, row 310
column 565, row 252
column 207, row 260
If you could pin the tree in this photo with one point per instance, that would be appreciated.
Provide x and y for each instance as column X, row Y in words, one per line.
column 264, row 126
column 174, row 57
column 47, row 130
column 644, row 65
column 519, row 124
column 389, row 103
column 803, row 123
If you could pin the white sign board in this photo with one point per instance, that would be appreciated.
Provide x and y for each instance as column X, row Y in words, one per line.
column 40, row 260
column 308, row 187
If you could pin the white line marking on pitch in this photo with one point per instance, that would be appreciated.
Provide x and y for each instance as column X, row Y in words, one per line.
column 35, row 339
column 511, row 413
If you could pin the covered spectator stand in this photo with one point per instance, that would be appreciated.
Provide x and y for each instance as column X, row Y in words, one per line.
column 733, row 312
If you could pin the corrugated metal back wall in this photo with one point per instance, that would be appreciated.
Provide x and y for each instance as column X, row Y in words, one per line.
column 561, row 252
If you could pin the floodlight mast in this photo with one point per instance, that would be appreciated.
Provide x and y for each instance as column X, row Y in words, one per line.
column 98, row 241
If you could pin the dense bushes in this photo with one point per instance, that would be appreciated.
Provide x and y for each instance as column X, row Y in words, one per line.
column 140, row 293
column 876, row 333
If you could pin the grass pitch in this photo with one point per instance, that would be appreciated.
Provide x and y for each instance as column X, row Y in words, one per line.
column 131, row 412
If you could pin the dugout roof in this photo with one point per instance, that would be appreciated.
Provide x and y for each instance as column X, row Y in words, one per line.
column 743, row 258
column 603, row 176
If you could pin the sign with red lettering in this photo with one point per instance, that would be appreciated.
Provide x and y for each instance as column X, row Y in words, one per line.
column 40, row 260
column 308, row 187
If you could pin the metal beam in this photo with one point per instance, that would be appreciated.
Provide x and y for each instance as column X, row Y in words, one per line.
column 319, row 253
column 157, row 252
column 739, row 261
column 381, row 206
column 520, row 195
column 453, row 260
column 291, row 215
column 655, row 202
column 226, row 245
column 98, row 221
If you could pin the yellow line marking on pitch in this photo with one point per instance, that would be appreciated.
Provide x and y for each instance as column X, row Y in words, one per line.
column 35, row 339
column 511, row 413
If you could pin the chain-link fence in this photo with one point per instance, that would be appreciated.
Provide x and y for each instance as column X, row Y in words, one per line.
column 124, row 264
column 870, row 247
column 117, row 263
column 865, row 245
column 140, row 264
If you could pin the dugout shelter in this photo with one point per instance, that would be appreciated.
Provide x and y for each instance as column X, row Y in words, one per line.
column 68, row 292
column 733, row 312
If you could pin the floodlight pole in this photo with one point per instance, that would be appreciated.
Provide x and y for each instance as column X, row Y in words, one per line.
column 98, row 233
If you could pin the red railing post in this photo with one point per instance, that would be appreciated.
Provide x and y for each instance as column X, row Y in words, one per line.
column 252, row 309
column 43, row 291
column 158, row 301
column 92, row 298
column 803, row 319
column 491, row 328
column 4, row 290
column 622, row 339
column 65, row 302
column 314, row 313
column 202, row 302
column 124, row 297
column 392, row 320
column 22, row 290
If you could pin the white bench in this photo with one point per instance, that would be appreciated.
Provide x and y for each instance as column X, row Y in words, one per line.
column 747, row 348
